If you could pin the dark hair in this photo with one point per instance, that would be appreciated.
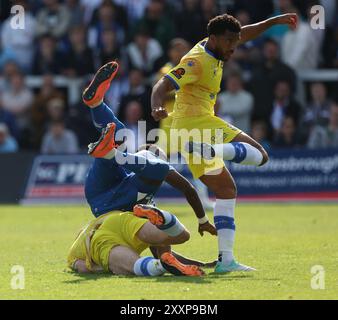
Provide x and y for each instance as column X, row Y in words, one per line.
column 271, row 41
column 220, row 24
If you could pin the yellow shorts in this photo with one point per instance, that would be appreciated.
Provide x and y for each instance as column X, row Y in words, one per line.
column 116, row 230
column 207, row 128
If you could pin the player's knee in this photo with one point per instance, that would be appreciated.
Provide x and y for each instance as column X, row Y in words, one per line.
column 183, row 237
column 226, row 191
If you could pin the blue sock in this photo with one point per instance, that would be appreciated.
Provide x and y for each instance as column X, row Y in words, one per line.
column 102, row 115
column 149, row 267
column 239, row 152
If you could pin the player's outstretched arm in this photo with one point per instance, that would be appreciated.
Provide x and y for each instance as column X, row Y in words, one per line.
column 252, row 31
column 158, row 97
column 81, row 267
column 180, row 183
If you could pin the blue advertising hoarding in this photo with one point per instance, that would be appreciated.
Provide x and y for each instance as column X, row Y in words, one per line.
column 289, row 175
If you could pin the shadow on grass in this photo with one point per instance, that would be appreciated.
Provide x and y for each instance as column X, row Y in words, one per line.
column 209, row 278
column 82, row 277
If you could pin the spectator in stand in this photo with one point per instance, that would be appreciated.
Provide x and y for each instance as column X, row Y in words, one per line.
column 284, row 105
column 318, row 110
column 48, row 59
column 79, row 120
column 134, row 113
column 39, row 111
column 330, row 42
column 59, row 140
column 20, row 42
column 6, row 56
column 300, row 48
column 110, row 49
column 76, row 12
column 54, row 18
column 287, row 136
column 18, row 99
column 259, row 132
column 9, row 69
column 257, row 9
column 107, row 17
column 277, row 32
column 7, row 142
column 78, row 59
column 235, row 104
column 143, row 52
column 137, row 91
column 135, row 8
column 209, row 11
column 90, row 7
column 5, row 8
column 189, row 22
column 159, row 25
column 326, row 136
column 56, row 110
column 265, row 77
column 9, row 120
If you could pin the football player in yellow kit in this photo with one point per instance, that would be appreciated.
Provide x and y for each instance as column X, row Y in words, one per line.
column 113, row 243
column 197, row 81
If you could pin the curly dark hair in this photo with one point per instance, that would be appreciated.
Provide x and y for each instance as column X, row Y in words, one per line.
column 225, row 22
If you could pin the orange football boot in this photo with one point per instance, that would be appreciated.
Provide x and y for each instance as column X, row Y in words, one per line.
column 105, row 144
column 151, row 213
column 94, row 93
column 173, row 266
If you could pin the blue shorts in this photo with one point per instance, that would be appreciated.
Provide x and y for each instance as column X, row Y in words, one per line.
column 109, row 187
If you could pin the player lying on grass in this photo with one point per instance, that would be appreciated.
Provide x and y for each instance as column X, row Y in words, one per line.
column 197, row 80
column 114, row 241
column 119, row 180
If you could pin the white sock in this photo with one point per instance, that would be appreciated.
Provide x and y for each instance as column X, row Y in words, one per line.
column 224, row 221
column 239, row 152
column 172, row 226
column 148, row 266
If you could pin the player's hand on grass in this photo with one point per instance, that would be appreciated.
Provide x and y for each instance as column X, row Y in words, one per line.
column 159, row 113
column 207, row 227
column 291, row 19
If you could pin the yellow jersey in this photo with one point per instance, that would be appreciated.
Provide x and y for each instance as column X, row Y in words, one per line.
column 197, row 79
column 80, row 250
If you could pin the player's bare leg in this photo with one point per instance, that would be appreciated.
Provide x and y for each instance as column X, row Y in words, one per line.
column 122, row 261
column 242, row 149
column 163, row 230
column 224, row 188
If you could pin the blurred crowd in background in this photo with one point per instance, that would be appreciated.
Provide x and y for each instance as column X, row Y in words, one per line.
column 72, row 38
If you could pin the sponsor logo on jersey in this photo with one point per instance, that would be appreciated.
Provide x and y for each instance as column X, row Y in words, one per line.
column 178, row 73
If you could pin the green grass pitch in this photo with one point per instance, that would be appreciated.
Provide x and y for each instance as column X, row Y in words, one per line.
column 282, row 241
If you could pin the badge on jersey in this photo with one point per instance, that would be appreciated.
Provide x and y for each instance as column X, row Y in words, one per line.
column 178, row 73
